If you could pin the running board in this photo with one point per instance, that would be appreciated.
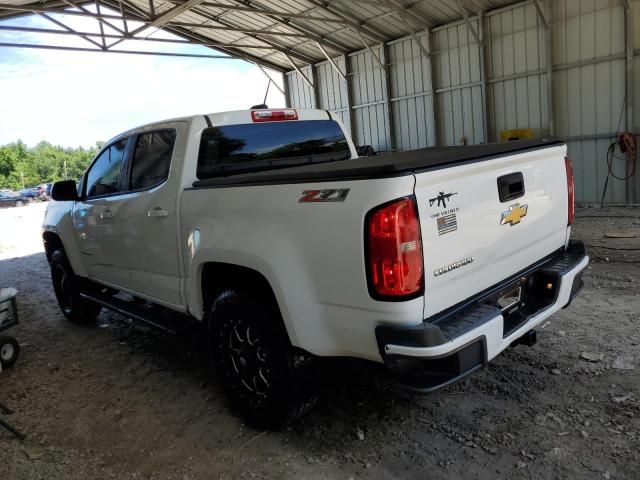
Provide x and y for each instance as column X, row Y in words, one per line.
column 154, row 316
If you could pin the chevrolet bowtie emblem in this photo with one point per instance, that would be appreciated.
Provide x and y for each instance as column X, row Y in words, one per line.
column 514, row 214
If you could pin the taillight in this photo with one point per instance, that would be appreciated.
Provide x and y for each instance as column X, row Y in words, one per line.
column 394, row 250
column 274, row 115
column 571, row 191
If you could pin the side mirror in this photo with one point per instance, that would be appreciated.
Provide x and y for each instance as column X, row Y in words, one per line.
column 64, row 191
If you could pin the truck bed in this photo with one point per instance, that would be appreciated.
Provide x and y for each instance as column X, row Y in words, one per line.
column 387, row 165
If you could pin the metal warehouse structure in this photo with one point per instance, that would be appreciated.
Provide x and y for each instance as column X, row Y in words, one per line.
column 408, row 74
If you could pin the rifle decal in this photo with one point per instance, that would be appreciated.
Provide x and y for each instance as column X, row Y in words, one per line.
column 442, row 199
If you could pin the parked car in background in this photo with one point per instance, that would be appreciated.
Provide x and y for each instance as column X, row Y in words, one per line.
column 30, row 193
column 11, row 199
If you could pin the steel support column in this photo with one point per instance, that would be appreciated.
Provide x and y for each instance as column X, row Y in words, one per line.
column 432, row 86
column 630, row 80
column 387, row 99
column 486, row 107
column 549, row 59
column 317, row 101
column 287, row 93
column 348, row 80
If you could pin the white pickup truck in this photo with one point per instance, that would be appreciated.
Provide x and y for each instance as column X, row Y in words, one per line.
column 264, row 229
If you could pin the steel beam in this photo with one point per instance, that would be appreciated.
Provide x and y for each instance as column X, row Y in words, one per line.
column 333, row 64
column 397, row 6
column 265, row 11
column 434, row 104
column 104, row 41
column 126, row 52
column 541, row 14
column 317, row 101
column 71, row 30
column 248, row 31
column 349, row 87
column 49, row 31
column 368, row 47
column 166, row 17
column 483, row 47
column 284, row 49
column 548, row 40
column 387, row 100
column 311, row 34
column 631, row 87
column 295, row 67
column 406, row 12
column 269, row 77
column 467, row 20
column 358, row 27
column 98, row 19
column 191, row 35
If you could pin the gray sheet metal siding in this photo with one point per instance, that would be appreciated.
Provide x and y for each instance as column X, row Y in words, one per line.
column 300, row 93
column 369, row 100
column 589, row 85
column 332, row 90
column 411, row 95
column 456, row 58
column 516, row 71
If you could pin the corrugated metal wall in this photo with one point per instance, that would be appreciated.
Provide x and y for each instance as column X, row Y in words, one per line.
column 589, row 89
column 516, row 63
column 411, row 94
column 459, row 105
column 398, row 109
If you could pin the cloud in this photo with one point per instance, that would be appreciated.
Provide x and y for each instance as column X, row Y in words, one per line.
column 74, row 98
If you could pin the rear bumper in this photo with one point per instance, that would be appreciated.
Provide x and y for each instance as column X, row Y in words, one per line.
column 460, row 341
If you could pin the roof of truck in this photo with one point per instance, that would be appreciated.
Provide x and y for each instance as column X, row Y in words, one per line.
column 387, row 165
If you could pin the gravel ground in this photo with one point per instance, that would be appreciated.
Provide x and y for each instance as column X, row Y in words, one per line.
column 122, row 402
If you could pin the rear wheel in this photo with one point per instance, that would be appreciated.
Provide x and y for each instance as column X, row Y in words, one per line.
column 19, row 203
column 269, row 382
column 9, row 351
column 67, row 289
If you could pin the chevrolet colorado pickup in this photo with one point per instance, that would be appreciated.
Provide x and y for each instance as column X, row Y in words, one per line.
column 265, row 229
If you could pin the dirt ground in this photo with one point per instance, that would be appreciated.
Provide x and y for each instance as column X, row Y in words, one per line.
column 123, row 402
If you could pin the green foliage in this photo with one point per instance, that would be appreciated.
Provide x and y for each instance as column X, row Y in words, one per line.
column 42, row 164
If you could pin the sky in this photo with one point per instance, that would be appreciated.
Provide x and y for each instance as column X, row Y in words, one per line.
column 75, row 99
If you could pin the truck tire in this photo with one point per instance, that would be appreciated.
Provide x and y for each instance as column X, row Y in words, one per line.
column 268, row 382
column 9, row 351
column 66, row 286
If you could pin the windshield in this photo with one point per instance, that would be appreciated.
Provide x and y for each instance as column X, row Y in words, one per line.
column 258, row 146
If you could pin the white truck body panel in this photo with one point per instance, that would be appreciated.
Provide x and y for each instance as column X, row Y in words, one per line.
column 498, row 251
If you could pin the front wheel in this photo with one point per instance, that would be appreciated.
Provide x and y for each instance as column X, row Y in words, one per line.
column 19, row 203
column 269, row 383
column 67, row 289
column 9, row 351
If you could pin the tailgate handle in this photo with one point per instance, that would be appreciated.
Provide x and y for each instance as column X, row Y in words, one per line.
column 510, row 186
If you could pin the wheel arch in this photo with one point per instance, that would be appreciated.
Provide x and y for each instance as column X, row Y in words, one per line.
column 52, row 242
column 216, row 277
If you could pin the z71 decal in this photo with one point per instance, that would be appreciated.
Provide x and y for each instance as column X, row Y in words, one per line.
column 326, row 195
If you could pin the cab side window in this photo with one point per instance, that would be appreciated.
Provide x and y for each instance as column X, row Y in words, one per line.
column 103, row 176
column 152, row 159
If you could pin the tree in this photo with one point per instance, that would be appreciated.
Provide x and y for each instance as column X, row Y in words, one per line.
column 42, row 164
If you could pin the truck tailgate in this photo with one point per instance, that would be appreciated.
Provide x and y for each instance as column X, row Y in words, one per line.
column 472, row 238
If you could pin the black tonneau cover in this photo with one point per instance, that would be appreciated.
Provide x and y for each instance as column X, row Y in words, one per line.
column 387, row 165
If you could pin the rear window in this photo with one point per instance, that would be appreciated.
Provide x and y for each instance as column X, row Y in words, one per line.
column 260, row 146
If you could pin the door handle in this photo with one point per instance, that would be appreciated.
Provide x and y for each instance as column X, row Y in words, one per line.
column 157, row 213
column 107, row 214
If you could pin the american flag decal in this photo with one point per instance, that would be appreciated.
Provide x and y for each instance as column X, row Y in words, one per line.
column 447, row 223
